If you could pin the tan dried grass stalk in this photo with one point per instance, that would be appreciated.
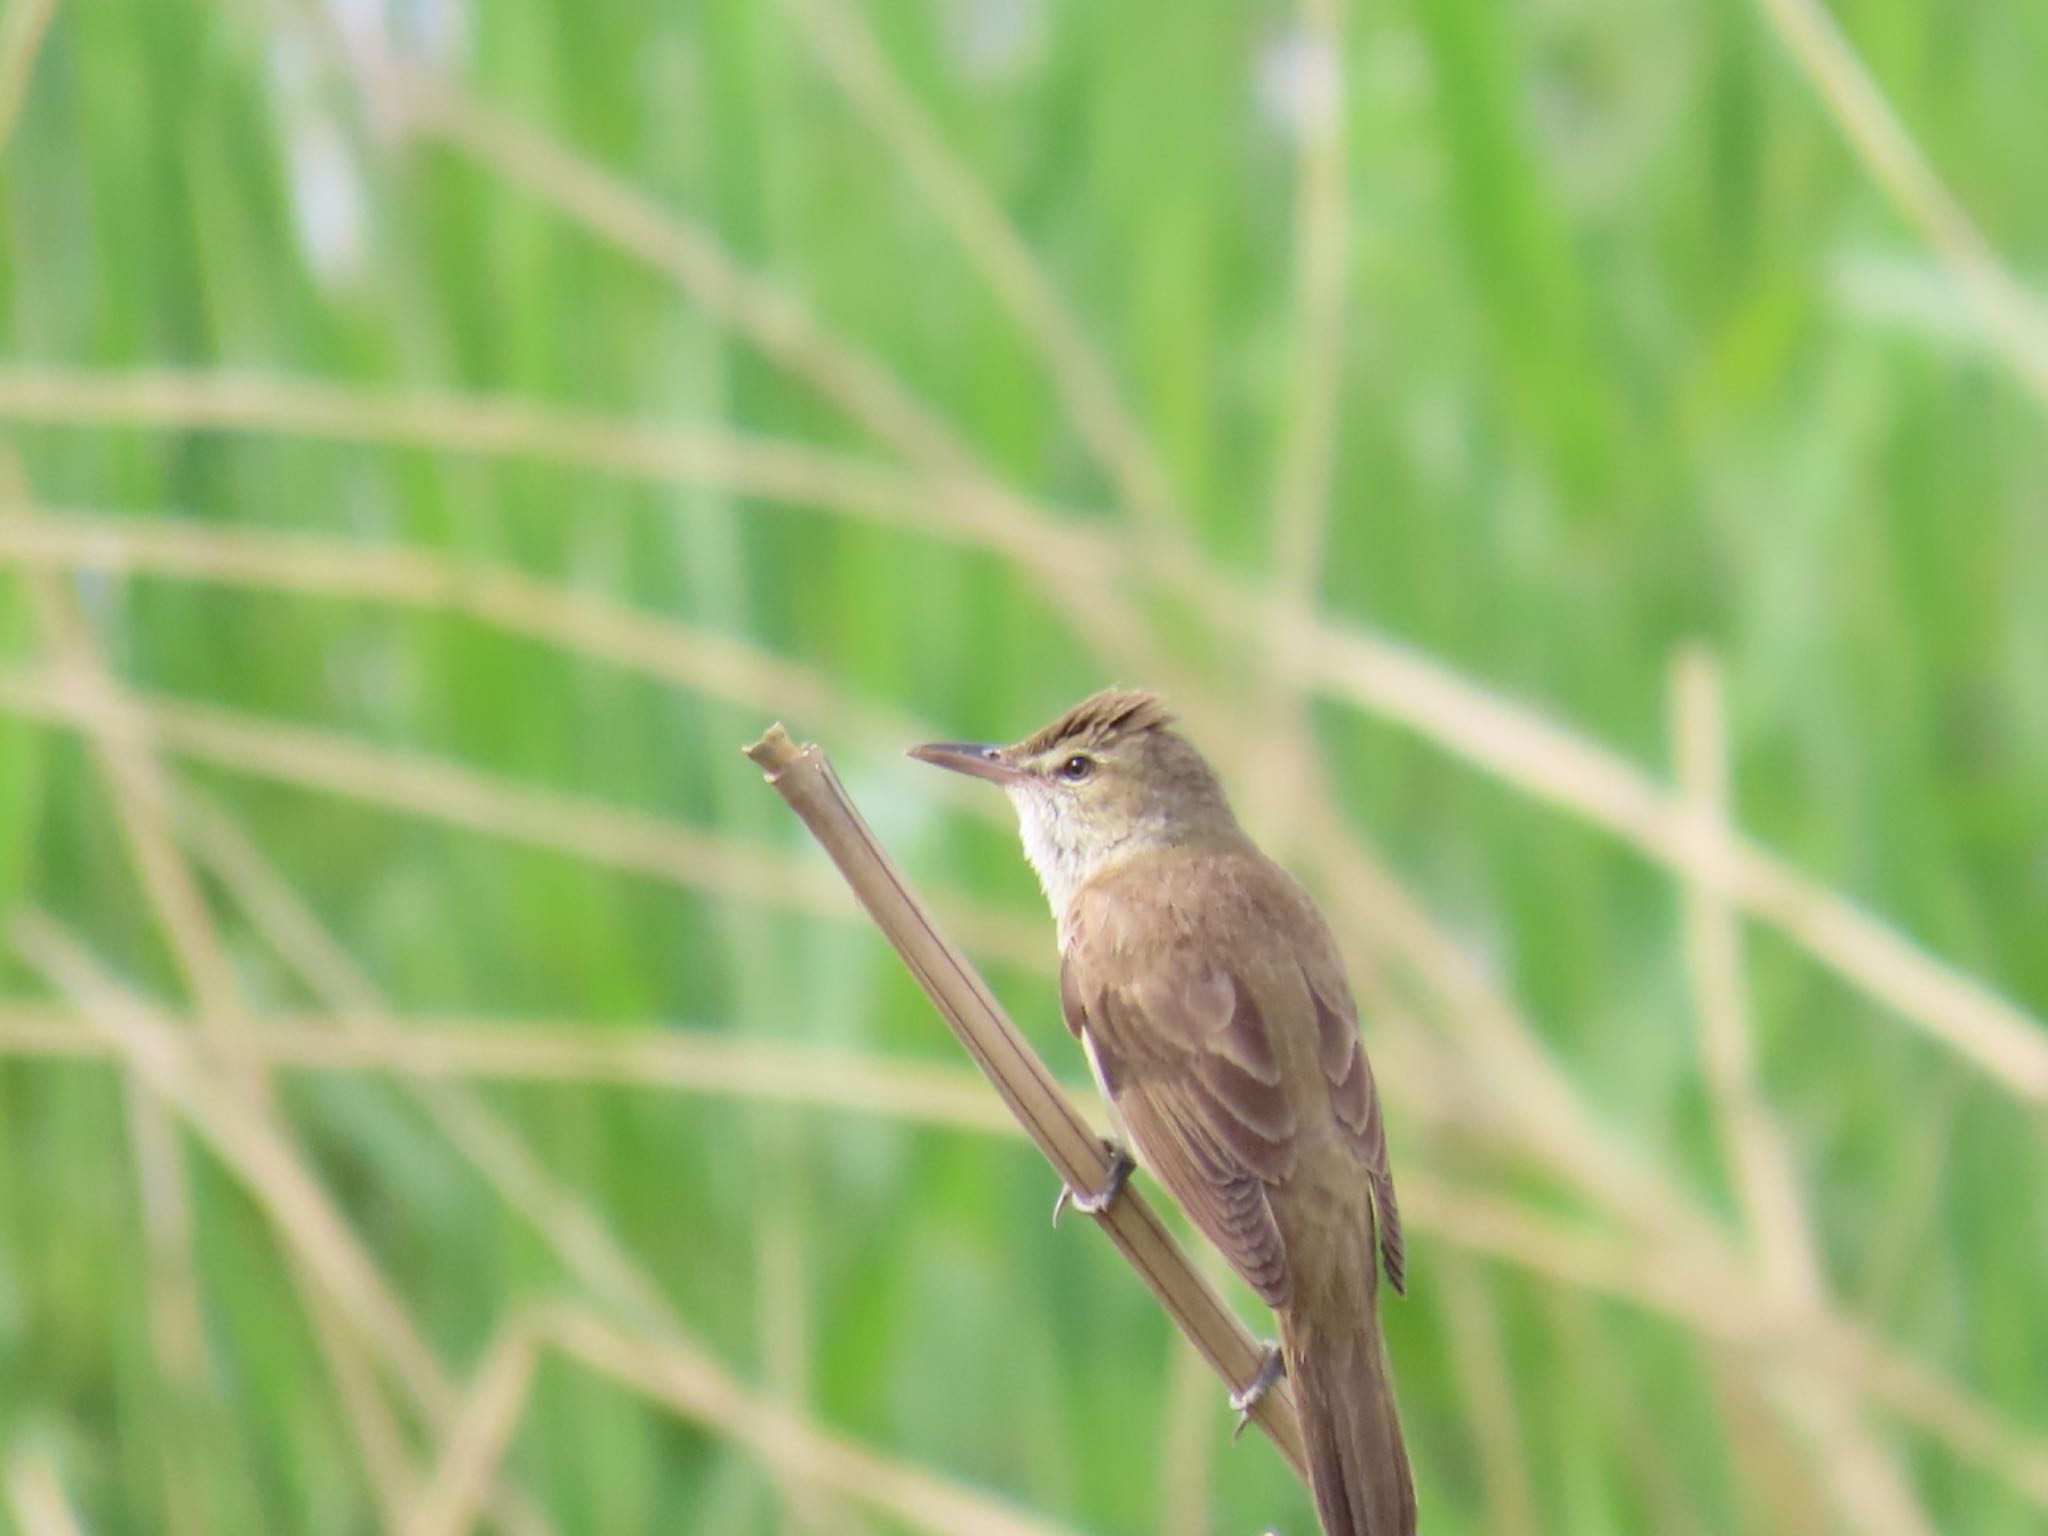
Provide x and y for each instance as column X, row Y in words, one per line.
column 27, row 23
column 803, row 777
column 36, row 1494
column 691, row 1386
column 477, row 1435
column 1077, row 569
column 1865, row 1479
column 2013, row 319
column 1019, row 281
column 768, row 1072
column 436, row 788
column 138, row 786
column 255, row 1150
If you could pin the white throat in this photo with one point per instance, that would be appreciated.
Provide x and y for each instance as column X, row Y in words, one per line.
column 1061, row 868
column 1064, row 857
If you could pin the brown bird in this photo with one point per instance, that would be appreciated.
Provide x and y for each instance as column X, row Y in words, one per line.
column 1210, row 997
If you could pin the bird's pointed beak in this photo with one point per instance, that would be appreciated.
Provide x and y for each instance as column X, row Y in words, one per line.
column 978, row 760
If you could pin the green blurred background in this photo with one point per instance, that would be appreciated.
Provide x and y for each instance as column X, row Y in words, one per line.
column 440, row 434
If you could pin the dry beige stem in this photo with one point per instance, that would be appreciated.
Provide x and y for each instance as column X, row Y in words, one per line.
column 138, row 786
column 1864, row 1478
column 36, row 1495
column 439, row 789
column 255, row 1149
column 1322, row 220
column 1016, row 277
column 803, row 777
column 689, row 1384
column 2013, row 321
column 1480, row 1358
column 1078, row 569
column 21, row 40
column 474, row 1446
column 558, row 1214
column 573, row 620
column 766, row 470
column 760, row 1071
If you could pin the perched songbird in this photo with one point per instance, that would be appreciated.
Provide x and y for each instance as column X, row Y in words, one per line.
column 1211, row 1000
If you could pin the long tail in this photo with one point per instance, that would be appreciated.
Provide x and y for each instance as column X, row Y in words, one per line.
column 1358, row 1467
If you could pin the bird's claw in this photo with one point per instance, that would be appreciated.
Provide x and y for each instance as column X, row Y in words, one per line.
column 1120, row 1166
column 1271, row 1369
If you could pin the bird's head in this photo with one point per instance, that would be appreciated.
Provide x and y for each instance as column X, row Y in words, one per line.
column 1107, row 780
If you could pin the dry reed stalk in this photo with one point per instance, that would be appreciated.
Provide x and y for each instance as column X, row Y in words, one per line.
column 1307, row 451
column 559, row 1217
column 942, row 1098
column 773, row 321
column 765, row 469
column 1561, row 1130
column 36, row 1494
column 277, row 912
column 1777, row 1485
column 1760, row 1163
column 1322, row 219
column 694, row 1388
column 577, row 622
column 473, row 1448
column 1479, row 1360
column 584, row 623
column 1187, row 1492
column 1563, row 1133
column 920, row 1093
column 1864, row 1478
column 1507, row 740
column 248, row 1145
column 2012, row 318
column 173, row 1303
column 136, row 785
column 1094, row 404
column 139, row 789
column 22, row 32
column 1553, row 764
column 634, row 841
column 804, row 779
column 1973, row 1432
column 1488, row 1225
column 1641, row 1417
column 256, row 1152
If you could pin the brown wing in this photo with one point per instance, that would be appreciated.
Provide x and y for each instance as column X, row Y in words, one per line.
column 1190, row 1066
column 1357, row 1104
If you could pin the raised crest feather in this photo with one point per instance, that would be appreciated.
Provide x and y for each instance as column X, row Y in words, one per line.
column 1100, row 720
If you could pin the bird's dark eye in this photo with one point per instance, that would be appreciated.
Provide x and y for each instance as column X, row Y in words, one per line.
column 1077, row 768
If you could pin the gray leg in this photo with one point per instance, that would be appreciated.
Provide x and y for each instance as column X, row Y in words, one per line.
column 1271, row 1369
column 1120, row 1166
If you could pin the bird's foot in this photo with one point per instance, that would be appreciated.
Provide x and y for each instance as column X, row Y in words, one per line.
column 1120, row 1166
column 1271, row 1369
